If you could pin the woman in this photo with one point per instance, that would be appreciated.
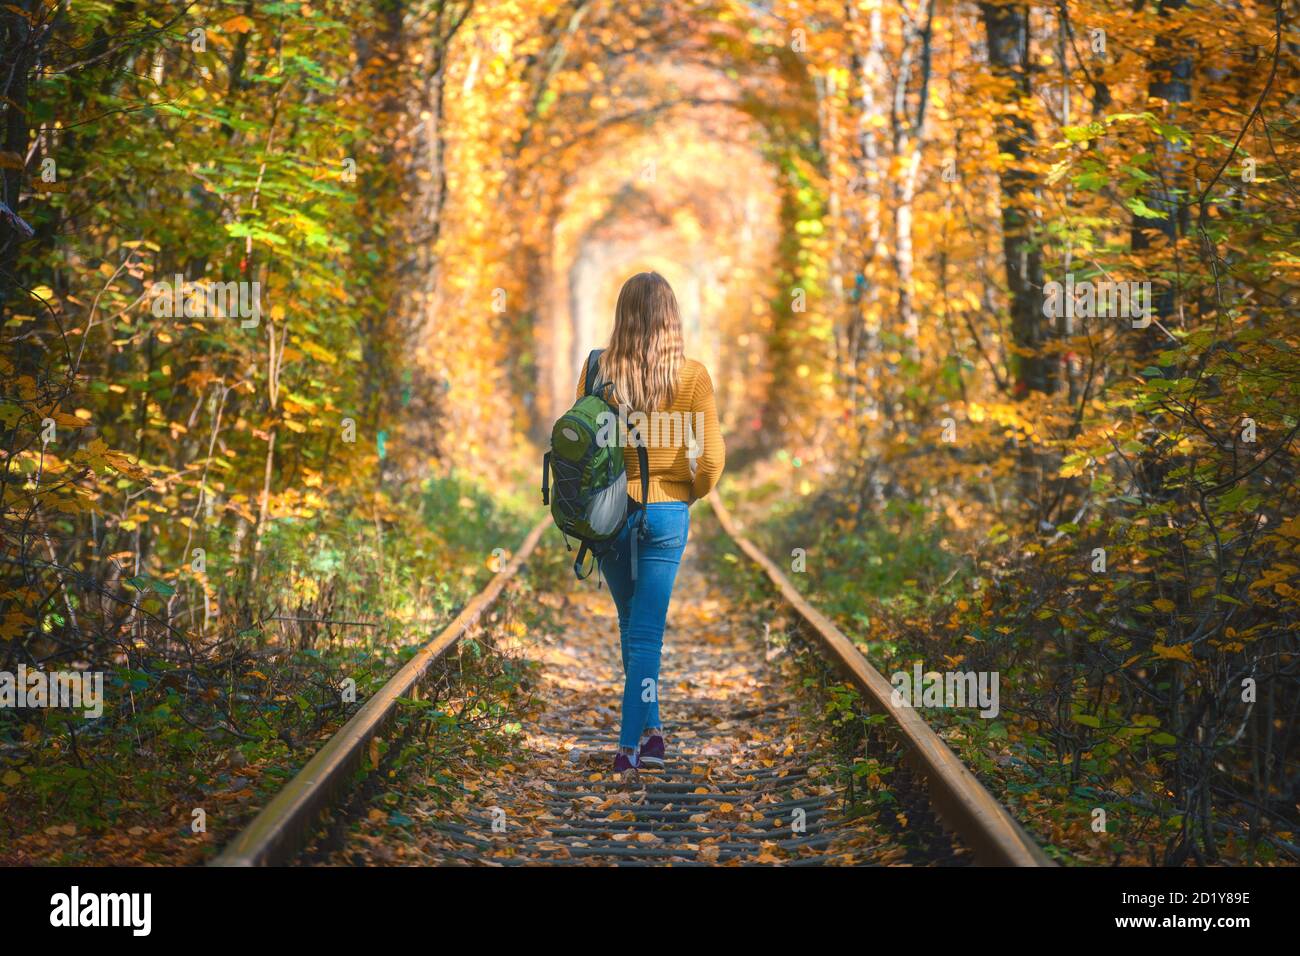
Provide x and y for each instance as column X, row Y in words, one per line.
column 649, row 373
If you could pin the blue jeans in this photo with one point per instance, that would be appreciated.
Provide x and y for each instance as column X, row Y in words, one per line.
column 643, row 606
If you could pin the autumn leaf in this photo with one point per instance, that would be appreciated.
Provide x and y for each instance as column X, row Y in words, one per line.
column 13, row 624
column 1176, row 652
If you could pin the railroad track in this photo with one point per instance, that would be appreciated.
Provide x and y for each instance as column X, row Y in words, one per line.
column 747, row 780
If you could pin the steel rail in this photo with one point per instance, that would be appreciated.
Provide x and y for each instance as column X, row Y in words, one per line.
column 962, row 801
column 283, row 825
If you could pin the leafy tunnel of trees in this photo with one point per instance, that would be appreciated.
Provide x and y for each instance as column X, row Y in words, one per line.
column 882, row 209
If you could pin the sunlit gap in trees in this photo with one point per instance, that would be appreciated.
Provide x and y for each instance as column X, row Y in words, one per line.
column 699, row 209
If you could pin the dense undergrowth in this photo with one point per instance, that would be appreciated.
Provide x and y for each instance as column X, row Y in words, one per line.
column 1086, row 745
column 216, row 721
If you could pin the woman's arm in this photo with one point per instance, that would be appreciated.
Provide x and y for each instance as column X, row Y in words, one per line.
column 713, row 452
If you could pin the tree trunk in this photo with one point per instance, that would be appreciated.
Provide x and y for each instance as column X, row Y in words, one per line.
column 908, row 123
column 867, row 201
column 1007, row 31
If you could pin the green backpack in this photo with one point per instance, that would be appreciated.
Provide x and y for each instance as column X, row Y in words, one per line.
column 590, row 501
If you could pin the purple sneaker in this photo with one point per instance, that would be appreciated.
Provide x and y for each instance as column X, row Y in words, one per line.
column 624, row 762
column 652, row 752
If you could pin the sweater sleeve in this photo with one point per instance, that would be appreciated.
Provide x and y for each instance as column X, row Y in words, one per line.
column 582, row 380
column 713, row 452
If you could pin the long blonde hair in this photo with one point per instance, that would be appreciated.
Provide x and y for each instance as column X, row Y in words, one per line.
column 645, row 355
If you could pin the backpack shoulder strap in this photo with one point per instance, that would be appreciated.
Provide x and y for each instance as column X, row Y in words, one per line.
column 643, row 463
column 593, row 367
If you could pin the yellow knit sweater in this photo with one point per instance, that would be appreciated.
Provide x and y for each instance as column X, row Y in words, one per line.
column 667, row 432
